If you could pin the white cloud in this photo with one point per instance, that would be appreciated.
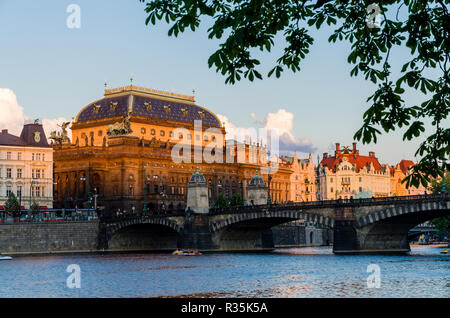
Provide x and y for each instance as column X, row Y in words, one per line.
column 12, row 116
column 281, row 121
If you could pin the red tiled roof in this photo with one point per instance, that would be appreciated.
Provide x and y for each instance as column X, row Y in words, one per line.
column 359, row 161
column 405, row 165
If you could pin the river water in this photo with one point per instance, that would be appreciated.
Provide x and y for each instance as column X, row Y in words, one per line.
column 303, row 272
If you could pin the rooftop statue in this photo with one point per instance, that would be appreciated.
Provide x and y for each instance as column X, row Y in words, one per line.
column 121, row 128
column 60, row 137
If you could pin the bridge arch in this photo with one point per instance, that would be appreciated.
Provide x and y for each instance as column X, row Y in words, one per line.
column 427, row 211
column 387, row 229
column 251, row 230
column 272, row 218
column 143, row 234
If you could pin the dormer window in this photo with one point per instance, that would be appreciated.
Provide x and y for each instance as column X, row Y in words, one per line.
column 96, row 108
column 167, row 109
column 148, row 106
column 113, row 106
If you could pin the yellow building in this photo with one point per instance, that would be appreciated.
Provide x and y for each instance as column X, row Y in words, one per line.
column 347, row 174
column 302, row 183
column 398, row 173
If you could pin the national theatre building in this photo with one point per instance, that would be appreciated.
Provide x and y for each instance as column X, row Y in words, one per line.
column 121, row 154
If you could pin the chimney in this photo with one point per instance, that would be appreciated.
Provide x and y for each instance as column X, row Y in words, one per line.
column 338, row 151
column 354, row 147
column 4, row 131
column 325, row 155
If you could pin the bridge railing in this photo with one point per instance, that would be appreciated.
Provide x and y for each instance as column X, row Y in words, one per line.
column 117, row 217
column 331, row 203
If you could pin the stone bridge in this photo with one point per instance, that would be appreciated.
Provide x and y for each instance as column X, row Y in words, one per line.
column 364, row 225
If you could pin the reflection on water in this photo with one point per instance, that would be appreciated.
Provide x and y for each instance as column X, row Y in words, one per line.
column 303, row 272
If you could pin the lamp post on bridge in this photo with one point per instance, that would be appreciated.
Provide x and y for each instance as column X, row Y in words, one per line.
column 163, row 194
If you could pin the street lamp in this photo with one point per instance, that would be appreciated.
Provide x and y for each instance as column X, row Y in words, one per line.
column 83, row 178
column 146, row 183
column 163, row 195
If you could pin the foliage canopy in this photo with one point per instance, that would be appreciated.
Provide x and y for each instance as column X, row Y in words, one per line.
column 246, row 26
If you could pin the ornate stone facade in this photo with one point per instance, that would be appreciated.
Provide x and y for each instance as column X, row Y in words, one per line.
column 127, row 170
column 347, row 174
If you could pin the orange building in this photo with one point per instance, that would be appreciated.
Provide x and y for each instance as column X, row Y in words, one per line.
column 139, row 146
column 302, row 185
column 398, row 173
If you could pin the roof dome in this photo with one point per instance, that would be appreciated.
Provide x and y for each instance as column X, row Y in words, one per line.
column 197, row 178
column 143, row 102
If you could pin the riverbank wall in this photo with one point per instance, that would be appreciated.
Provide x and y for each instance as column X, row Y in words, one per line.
column 49, row 238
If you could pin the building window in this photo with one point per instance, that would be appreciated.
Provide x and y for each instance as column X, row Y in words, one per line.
column 197, row 137
column 331, row 179
column 8, row 173
column 8, row 190
column 205, row 138
column 331, row 190
column 43, row 157
column 100, row 133
column 19, row 156
column 19, row 173
column 143, row 131
column 19, row 191
column 162, row 133
column 38, row 157
column 8, row 156
column 189, row 136
column 360, row 179
column 38, row 174
column 171, row 134
column 153, row 132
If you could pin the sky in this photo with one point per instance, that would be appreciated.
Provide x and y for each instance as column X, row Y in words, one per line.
column 50, row 71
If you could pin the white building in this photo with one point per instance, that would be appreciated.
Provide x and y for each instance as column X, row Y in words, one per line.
column 26, row 167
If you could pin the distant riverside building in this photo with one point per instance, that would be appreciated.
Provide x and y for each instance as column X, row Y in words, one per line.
column 302, row 180
column 398, row 173
column 347, row 173
column 26, row 167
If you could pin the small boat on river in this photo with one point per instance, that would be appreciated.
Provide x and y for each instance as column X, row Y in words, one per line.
column 186, row 253
column 5, row 258
column 446, row 252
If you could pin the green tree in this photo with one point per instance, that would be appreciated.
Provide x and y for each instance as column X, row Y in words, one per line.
column 245, row 27
column 236, row 200
column 12, row 205
column 35, row 209
column 221, row 202
column 442, row 224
